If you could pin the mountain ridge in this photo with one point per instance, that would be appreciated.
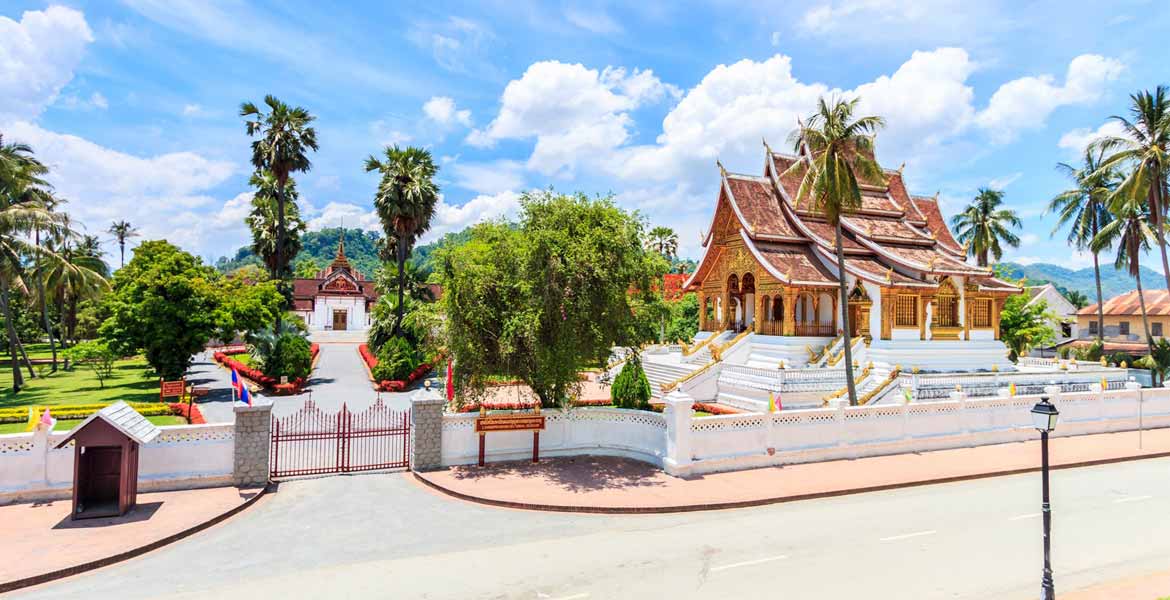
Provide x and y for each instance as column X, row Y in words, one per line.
column 1114, row 282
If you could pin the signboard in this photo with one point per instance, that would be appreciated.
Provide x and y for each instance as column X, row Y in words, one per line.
column 509, row 423
column 172, row 389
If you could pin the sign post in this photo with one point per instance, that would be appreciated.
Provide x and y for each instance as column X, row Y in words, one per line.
column 510, row 422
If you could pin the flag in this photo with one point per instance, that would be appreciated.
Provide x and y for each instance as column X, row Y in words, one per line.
column 771, row 403
column 779, row 401
column 450, row 382
column 245, row 395
column 907, row 396
column 235, row 383
column 1012, row 390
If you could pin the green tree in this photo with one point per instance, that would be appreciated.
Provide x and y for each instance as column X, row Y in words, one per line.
column 306, row 268
column 78, row 274
column 96, row 355
column 630, row 388
column 841, row 147
column 264, row 221
column 984, row 228
column 1078, row 299
column 122, row 231
column 1084, row 210
column 405, row 202
column 1024, row 326
column 1131, row 233
column 1144, row 150
column 283, row 141
column 543, row 300
column 664, row 241
column 684, row 318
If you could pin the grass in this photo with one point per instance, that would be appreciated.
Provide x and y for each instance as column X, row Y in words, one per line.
column 34, row 350
column 132, row 382
column 245, row 358
column 71, row 423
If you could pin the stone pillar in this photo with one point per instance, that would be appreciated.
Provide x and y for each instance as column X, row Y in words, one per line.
column 253, row 441
column 702, row 312
column 789, row 311
column 426, row 430
column 678, row 433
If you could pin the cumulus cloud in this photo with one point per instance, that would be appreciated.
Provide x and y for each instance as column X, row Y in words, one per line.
column 336, row 214
column 489, row 178
column 593, row 21
column 450, row 218
column 442, row 110
column 1025, row 103
column 37, row 58
column 1077, row 140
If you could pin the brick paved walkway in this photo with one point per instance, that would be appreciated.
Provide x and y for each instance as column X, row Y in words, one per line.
column 607, row 484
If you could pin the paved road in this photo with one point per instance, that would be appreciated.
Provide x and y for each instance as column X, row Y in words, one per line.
column 382, row 536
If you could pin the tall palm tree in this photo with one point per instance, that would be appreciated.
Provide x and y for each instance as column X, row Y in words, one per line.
column 663, row 240
column 283, row 139
column 1131, row 232
column 1084, row 210
column 405, row 203
column 263, row 220
column 122, row 231
column 1145, row 145
column 983, row 227
column 78, row 274
column 840, row 149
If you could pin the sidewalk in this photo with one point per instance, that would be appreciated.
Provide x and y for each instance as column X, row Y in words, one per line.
column 39, row 539
column 1144, row 587
column 620, row 485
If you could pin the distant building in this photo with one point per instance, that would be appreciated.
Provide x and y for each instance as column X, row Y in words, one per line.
column 1124, row 331
column 338, row 298
column 1065, row 323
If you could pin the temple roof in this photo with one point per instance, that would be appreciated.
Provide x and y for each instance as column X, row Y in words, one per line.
column 338, row 279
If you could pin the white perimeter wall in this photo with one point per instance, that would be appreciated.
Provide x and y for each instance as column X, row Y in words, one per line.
column 182, row 456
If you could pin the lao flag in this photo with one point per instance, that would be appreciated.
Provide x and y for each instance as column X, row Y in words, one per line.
column 245, row 395
column 236, row 382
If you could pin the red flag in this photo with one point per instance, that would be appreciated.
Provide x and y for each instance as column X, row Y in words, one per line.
column 450, row 382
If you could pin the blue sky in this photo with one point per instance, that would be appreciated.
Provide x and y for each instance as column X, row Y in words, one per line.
column 135, row 103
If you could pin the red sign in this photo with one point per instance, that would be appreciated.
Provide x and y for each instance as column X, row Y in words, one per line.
column 509, row 423
column 172, row 389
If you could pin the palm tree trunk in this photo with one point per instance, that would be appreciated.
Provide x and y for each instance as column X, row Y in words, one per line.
column 45, row 305
column 1142, row 301
column 17, row 378
column 122, row 250
column 32, row 374
column 64, row 336
column 400, row 249
column 1100, row 302
column 280, row 252
column 842, row 303
column 1159, row 213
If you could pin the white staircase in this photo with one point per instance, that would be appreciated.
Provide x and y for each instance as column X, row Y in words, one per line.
column 660, row 374
column 940, row 356
column 768, row 351
column 703, row 356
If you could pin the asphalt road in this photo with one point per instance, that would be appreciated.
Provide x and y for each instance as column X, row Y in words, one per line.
column 383, row 536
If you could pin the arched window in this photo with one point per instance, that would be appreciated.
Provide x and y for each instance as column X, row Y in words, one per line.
column 733, row 284
column 778, row 309
column 748, row 285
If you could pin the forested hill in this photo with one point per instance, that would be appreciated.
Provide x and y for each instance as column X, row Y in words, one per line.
column 1113, row 281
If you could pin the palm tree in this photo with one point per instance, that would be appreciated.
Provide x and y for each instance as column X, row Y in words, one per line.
column 78, row 274
column 1084, row 210
column 841, row 153
column 663, row 240
column 1144, row 145
column 264, row 220
column 405, row 203
column 281, row 148
column 122, row 231
column 983, row 226
column 1130, row 230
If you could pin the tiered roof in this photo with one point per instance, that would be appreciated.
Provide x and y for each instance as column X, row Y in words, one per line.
column 893, row 239
column 338, row 279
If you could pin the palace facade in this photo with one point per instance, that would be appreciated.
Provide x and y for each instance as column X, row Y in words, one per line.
column 339, row 298
column 769, row 266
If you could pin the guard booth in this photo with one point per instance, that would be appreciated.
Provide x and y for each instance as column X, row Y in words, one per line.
column 105, row 460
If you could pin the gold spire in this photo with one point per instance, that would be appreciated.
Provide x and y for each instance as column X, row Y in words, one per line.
column 722, row 171
column 340, row 261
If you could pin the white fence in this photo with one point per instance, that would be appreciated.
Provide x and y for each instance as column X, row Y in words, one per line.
column 684, row 445
column 183, row 456
column 613, row 431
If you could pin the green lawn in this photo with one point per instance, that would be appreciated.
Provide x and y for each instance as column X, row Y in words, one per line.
column 71, row 423
column 34, row 350
column 131, row 382
column 245, row 358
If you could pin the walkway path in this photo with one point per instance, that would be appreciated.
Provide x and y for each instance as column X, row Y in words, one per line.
column 217, row 405
column 384, row 536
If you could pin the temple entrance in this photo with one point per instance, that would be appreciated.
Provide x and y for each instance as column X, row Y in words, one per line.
column 859, row 307
column 339, row 319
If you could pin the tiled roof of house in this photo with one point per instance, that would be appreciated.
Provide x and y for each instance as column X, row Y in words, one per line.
column 1157, row 304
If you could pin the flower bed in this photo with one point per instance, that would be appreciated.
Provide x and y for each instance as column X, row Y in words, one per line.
column 396, row 385
column 528, row 404
column 19, row 414
column 180, row 409
column 254, row 374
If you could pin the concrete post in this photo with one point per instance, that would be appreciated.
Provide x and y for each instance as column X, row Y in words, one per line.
column 426, row 430
column 678, row 413
column 253, row 440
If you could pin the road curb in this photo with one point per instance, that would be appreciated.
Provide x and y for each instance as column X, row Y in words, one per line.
column 680, row 508
column 17, row 584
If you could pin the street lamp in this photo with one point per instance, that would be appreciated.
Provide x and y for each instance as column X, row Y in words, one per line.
column 1044, row 416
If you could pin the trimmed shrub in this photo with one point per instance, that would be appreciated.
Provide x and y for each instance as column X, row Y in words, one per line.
column 631, row 389
column 396, row 360
column 292, row 357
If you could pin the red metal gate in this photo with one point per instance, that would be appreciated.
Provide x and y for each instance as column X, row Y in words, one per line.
column 313, row 442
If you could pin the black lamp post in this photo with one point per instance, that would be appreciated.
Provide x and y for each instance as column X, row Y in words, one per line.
column 1044, row 416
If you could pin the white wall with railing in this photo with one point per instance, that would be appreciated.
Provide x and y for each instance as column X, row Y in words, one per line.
column 183, row 456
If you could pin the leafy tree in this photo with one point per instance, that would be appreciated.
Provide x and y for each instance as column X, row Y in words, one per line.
column 96, row 355
column 306, row 268
column 684, row 318
column 1144, row 149
column 78, row 274
column 983, row 227
column 630, row 388
column 1078, row 299
column 1131, row 233
column 543, row 300
column 842, row 154
column 396, row 359
column 1158, row 362
column 122, row 231
column 664, row 241
column 246, row 304
column 283, row 140
column 405, row 202
column 1084, row 210
column 1024, row 326
column 264, row 221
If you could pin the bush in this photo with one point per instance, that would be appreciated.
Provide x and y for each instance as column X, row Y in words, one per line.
column 291, row 357
column 396, row 360
column 631, row 389
column 1092, row 352
column 97, row 355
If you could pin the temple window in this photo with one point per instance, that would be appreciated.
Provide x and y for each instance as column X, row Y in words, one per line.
column 981, row 313
column 906, row 311
column 946, row 306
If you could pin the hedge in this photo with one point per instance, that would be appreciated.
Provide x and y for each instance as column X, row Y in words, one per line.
column 528, row 404
column 180, row 409
column 69, row 412
column 254, row 374
column 396, row 385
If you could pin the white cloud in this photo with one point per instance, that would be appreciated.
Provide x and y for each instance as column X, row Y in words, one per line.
column 775, row 38
column 387, row 135
column 37, row 58
column 595, row 21
column 999, row 183
column 489, row 178
column 1078, row 139
column 449, row 218
column 96, row 101
column 442, row 110
column 1025, row 103
column 457, row 44
column 336, row 214
column 191, row 110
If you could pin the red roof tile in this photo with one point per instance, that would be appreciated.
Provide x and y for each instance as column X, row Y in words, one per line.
column 759, row 205
column 936, row 224
column 796, row 263
column 1157, row 304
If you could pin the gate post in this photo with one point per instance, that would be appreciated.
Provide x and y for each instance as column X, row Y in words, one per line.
column 678, row 413
column 426, row 430
column 253, row 433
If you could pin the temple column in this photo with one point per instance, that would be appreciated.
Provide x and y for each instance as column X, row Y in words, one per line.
column 758, row 316
column 887, row 312
column 996, row 308
column 728, row 310
column 789, row 311
column 702, row 311
column 923, row 316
